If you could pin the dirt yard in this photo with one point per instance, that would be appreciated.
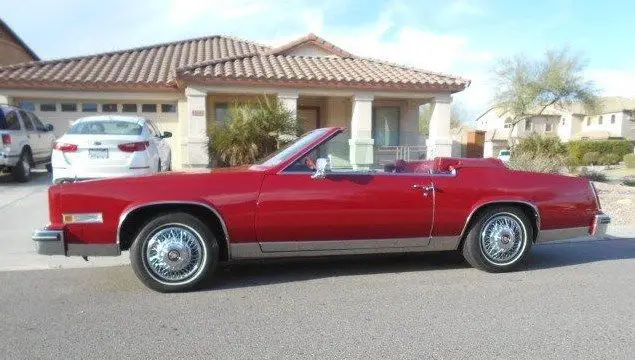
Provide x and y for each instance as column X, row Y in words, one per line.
column 618, row 201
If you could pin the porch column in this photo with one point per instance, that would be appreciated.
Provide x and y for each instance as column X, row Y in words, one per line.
column 196, row 149
column 361, row 141
column 439, row 141
column 290, row 101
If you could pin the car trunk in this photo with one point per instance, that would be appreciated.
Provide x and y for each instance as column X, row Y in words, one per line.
column 104, row 151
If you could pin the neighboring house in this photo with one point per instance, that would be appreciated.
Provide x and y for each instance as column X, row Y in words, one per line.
column 12, row 49
column 187, row 85
column 615, row 119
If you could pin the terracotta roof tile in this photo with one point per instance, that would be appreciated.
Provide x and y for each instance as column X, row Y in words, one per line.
column 218, row 59
column 149, row 66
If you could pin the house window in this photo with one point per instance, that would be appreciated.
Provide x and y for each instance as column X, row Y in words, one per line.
column 600, row 120
column 108, row 107
column 27, row 105
column 548, row 127
column 588, row 121
column 563, row 121
column 612, row 119
column 69, row 107
column 508, row 123
column 89, row 107
column 168, row 108
column 386, row 126
column 222, row 113
column 527, row 125
column 48, row 107
column 129, row 108
column 149, row 108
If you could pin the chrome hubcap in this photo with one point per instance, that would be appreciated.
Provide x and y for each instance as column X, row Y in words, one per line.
column 174, row 252
column 503, row 239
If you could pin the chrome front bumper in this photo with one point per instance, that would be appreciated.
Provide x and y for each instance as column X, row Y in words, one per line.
column 600, row 224
column 49, row 242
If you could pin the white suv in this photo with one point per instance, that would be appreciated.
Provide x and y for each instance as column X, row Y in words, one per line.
column 25, row 142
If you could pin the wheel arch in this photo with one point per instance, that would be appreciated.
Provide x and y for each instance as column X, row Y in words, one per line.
column 134, row 217
column 530, row 209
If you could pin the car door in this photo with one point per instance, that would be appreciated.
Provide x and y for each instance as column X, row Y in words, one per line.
column 35, row 139
column 160, row 143
column 346, row 210
column 46, row 138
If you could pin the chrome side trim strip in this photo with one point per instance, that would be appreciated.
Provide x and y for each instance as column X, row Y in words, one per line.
column 127, row 212
column 343, row 244
column 600, row 224
column 342, row 247
column 533, row 206
column 561, row 234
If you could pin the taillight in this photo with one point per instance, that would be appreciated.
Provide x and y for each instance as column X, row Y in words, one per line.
column 6, row 139
column 135, row 146
column 64, row 147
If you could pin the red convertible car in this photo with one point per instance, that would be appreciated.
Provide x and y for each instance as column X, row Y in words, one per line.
column 309, row 200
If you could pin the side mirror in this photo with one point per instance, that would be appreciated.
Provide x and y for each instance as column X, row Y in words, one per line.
column 48, row 127
column 166, row 134
column 321, row 167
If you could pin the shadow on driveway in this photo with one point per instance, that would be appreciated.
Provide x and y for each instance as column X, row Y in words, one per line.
column 38, row 178
column 545, row 256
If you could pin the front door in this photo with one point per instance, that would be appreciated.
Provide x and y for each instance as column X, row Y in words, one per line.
column 347, row 210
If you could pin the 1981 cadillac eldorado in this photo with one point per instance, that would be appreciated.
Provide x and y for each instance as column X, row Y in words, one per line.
column 310, row 200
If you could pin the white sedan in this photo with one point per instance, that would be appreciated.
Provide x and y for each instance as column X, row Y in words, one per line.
column 110, row 146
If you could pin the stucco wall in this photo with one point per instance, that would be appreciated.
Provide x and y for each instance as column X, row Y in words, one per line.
column 10, row 51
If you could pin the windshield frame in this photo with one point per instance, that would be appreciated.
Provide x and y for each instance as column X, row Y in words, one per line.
column 319, row 136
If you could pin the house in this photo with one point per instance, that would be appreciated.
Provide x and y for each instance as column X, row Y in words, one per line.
column 614, row 120
column 187, row 85
column 12, row 49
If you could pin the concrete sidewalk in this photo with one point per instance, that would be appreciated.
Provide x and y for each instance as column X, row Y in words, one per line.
column 23, row 208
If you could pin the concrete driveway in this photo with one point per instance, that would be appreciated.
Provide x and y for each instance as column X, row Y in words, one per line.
column 23, row 208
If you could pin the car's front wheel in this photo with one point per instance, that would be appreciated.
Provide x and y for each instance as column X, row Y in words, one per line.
column 499, row 240
column 174, row 252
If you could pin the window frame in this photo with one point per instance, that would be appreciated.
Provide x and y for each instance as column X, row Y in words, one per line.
column 84, row 107
column 548, row 127
column 105, row 105
column 74, row 105
column 613, row 119
column 136, row 108
column 374, row 118
column 43, row 104
column 156, row 110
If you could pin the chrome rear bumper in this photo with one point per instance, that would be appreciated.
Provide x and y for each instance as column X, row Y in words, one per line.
column 600, row 224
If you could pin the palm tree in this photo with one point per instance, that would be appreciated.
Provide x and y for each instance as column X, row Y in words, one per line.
column 253, row 131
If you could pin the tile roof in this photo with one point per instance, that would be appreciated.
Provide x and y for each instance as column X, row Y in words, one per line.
column 143, row 67
column 223, row 60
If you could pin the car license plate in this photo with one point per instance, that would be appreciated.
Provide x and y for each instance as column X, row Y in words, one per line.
column 98, row 153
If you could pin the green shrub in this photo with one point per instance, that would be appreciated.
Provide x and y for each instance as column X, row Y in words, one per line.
column 591, row 158
column 540, row 163
column 571, row 163
column 629, row 160
column 536, row 145
column 255, row 130
column 628, row 181
column 593, row 175
column 609, row 159
column 578, row 148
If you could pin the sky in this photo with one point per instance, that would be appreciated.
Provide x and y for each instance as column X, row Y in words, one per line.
column 459, row 37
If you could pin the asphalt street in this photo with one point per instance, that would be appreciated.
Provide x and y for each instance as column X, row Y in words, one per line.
column 573, row 300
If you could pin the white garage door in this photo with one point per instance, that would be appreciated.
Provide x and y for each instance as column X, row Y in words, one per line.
column 62, row 113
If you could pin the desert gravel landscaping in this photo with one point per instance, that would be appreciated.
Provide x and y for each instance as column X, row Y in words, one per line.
column 618, row 201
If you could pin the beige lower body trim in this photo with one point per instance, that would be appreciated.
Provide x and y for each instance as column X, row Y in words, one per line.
column 342, row 247
column 562, row 234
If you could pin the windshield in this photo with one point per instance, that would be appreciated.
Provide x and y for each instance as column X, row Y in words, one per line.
column 292, row 148
column 106, row 127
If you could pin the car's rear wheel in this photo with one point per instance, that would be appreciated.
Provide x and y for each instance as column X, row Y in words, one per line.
column 499, row 240
column 22, row 170
column 174, row 252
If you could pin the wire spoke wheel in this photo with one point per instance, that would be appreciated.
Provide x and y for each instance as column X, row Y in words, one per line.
column 503, row 239
column 174, row 253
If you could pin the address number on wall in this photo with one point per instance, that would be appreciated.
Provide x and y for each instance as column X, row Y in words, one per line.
column 198, row 112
